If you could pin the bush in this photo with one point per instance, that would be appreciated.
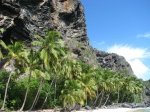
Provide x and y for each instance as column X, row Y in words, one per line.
column 16, row 91
column 3, row 79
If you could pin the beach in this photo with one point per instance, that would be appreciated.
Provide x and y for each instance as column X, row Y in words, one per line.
column 100, row 110
column 108, row 110
column 118, row 110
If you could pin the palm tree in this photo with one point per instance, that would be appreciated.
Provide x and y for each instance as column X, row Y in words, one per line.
column 118, row 81
column 130, row 88
column 110, row 86
column 43, row 75
column 106, row 84
column 51, row 50
column 31, row 68
column 138, row 87
column 99, row 83
column 89, row 86
column 47, row 94
column 72, row 93
column 16, row 51
column 88, row 81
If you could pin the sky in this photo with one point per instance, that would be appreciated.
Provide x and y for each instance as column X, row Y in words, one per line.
column 122, row 27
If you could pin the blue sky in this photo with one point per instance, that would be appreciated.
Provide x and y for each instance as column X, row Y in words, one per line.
column 122, row 27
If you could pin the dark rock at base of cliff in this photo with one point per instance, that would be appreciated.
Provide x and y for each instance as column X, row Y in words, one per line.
column 130, row 105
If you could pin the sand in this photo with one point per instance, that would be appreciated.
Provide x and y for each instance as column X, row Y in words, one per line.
column 98, row 110
column 110, row 110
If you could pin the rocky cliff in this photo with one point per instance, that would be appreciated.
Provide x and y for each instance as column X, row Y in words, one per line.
column 21, row 19
column 146, row 94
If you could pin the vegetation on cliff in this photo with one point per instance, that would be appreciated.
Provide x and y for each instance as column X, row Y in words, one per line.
column 46, row 75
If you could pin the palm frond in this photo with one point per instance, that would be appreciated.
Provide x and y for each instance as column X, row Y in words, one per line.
column 1, row 54
column 2, row 30
column 38, row 37
column 3, row 45
column 34, row 73
column 46, row 60
column 37, row 43
column 6, row 64
column 43, row 54
column 54, row 53
column 47, row 76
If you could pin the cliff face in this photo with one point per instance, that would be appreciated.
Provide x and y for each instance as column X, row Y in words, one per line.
column 24, row 18
column 113, row 62
column 146, row 94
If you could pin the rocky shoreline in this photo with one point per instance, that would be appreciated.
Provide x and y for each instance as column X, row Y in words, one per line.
column 123, row 106
column 129, row 105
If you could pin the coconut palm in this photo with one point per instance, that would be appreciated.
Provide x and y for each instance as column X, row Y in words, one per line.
column 72, row 93
column 51, row 50
column 138, row 87
column 128, row 88
column 106, row 84
column 110, row 87
column 99, row 83
column 43, row 75
column 16, row 51
column 32, row 68
column 118, row 81
column 88, row 81
column 89, row 86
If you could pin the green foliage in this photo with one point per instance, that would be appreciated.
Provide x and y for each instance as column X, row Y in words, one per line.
column 17, row 89
column 11, row 102
column 3, row 78
column 34, row 84
column 72, row 93
column 51, row 74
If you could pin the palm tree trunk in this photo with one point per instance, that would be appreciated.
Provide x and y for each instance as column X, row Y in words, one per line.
column 118, row 96
column 101, row 99
column 26, row 94
column 122, row 98
column 97, row 98
column 3, row 106
column 55, row 89
column 47, row 94
column 37, row 95
column 86, row 98
column 134, row 96
column 106, row 99
column 97, row 93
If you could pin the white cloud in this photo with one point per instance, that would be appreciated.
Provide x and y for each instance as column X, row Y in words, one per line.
column 138, row 67
column 145, row 35
column 134, row 56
